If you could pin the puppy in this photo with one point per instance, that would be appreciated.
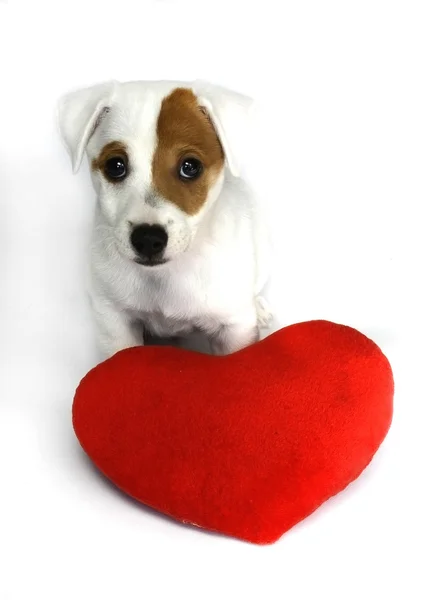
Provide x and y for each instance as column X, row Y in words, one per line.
column 178, row 245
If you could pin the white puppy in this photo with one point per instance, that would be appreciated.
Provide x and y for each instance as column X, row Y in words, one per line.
column 178, row 245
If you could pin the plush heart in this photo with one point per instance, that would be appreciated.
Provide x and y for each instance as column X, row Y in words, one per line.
column 248, row 444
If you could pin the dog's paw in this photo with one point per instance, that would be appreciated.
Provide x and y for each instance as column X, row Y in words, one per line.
column 264, row 313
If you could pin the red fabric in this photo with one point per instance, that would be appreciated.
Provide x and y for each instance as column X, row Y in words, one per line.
column 248, row 444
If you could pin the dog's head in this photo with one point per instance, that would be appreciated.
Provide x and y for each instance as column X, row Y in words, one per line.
column 159, row 153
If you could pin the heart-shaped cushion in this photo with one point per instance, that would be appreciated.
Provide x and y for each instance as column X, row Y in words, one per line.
column 248, row 444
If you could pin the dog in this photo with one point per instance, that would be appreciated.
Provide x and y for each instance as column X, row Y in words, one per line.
column 178, row 242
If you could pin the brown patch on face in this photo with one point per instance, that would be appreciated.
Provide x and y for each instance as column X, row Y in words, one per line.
column 184, row 130
column 110, row 150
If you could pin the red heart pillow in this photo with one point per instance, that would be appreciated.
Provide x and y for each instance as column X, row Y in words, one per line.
column 247, row 444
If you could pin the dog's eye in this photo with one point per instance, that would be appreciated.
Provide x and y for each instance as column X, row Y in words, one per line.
column 115, row 168
column 190, row 168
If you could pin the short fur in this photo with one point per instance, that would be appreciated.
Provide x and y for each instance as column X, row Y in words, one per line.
column 184, row 130
column 216, row 254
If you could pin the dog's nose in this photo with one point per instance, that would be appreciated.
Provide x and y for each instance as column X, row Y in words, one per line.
column 149, row 240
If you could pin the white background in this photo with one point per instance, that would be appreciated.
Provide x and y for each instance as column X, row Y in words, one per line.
column 351, row 164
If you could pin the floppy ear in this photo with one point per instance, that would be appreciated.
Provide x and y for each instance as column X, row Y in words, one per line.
column 79, row 114
column 229, row 113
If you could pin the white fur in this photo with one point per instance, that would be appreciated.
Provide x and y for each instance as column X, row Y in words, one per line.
column 217, row 259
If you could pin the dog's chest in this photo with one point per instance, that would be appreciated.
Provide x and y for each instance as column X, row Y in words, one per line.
column 182, row 303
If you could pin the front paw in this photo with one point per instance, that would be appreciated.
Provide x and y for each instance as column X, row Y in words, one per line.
column 230, row 339
column 109, row 347
column 264, row 313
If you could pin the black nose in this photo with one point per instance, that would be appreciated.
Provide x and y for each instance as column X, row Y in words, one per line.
column 149, row 240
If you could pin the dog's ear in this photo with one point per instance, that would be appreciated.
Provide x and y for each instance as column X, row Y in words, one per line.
column 79, row 114
column 229, row 112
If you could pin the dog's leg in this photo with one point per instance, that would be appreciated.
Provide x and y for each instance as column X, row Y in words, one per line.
column 116, row 330
column 264, row 313
column 230, row 338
